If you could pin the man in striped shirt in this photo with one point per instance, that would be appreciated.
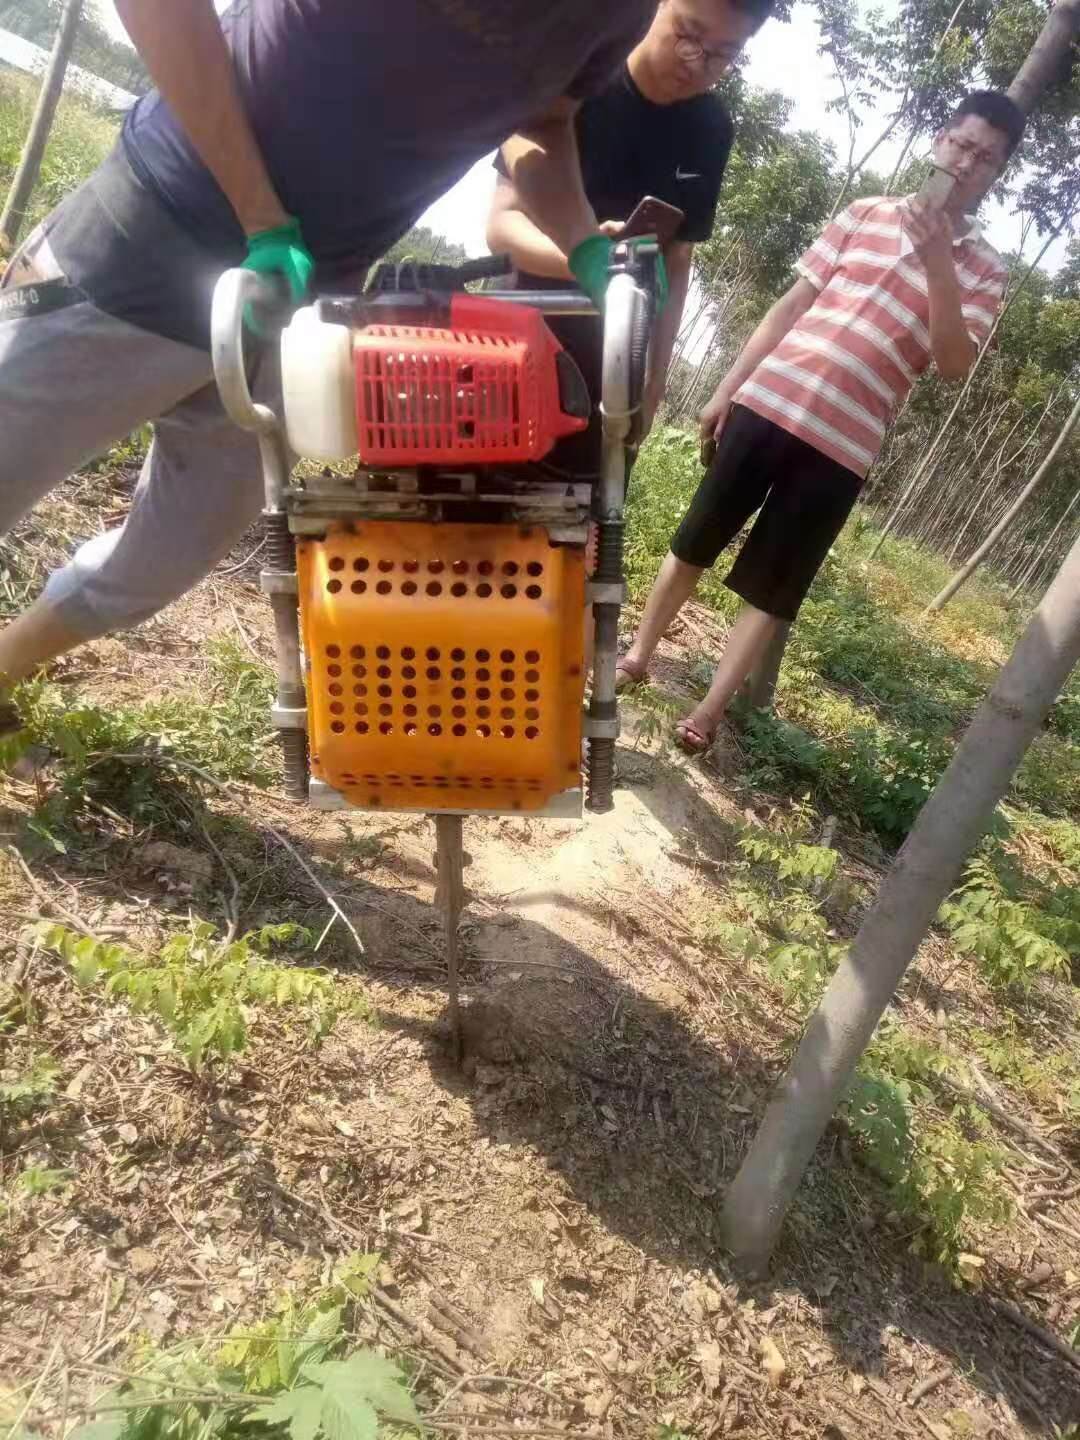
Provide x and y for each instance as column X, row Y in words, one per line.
column 888, row 288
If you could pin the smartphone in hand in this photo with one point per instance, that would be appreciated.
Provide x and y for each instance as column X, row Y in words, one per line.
column 654, row 217
column 936, row 190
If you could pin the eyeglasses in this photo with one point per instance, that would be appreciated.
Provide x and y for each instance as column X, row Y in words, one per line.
column 693, row 53
column 984, row 158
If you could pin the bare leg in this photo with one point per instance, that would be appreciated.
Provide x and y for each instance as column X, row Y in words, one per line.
column 746, row 644
column 35, row 637
column 674, row 585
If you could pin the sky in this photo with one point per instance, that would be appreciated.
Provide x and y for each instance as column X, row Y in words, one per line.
column 777, row 60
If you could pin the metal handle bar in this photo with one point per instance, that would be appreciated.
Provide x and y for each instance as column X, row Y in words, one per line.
column 234, row 292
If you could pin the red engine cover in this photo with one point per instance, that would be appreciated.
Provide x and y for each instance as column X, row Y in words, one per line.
column 485, row 391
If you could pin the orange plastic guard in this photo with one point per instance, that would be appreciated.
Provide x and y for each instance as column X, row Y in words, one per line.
column 445, row 665
column 484, row 392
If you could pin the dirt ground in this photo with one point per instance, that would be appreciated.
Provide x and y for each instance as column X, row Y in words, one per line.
column 549, row 1214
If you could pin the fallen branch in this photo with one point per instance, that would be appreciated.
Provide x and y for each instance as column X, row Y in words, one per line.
column 924, row 1387
column 47, row 900
column 984, row 1097
column 1040, row 1332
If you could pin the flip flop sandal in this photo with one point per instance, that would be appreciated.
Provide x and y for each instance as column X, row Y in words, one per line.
column 693, row 739
column 629, row 677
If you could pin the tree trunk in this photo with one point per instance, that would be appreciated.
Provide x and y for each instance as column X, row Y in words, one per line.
column 1047, row 61
column 22, row 186
column 964, row 574
column 926, row 869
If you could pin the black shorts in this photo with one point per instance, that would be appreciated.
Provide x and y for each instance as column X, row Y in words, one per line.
column 804, row 498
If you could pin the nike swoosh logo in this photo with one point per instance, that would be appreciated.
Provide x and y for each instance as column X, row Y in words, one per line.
column 681, row 174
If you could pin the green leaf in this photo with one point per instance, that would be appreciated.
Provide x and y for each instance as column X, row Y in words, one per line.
column 110, row 1429
column 382, row 1382
column 347, row 1415
column 300, row 1410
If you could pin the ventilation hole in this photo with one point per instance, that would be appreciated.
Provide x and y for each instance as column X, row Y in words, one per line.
column 435, row 567
column 483, row 693
column 534, row 567
column 336, row 690
column 408, row 672
column 361, row 564
column 458, row 712
column 360, row 709
column 435, row 730
column 486, row 780
column 337, row 563
column 532, row 657
column 359, row 690
column 409, row 691
column 531, row 732
column 383, row 587
column 483, row 591
column 532, row 714
column 386, row 566
column 482, row 657
column 410, row 729
column 410, row 566
column 434, row 673
column 362, row 727
column 408, row 653
column 506, row 694
column 532, row 676
column 484, row 731
column 433, row 587
column 386, row 709
column 384, row 672
column 432, row 653
column 337, row 708
column 460, row 567
column 507, row 713
column 358, row 652
column 358, row 587
column 338, row 728
column 383, row 652
column 533, row 592
column 410, row 709
column 506, row 675
column 408, row 587
column 532, row 695
column 359, row 671
column 434, row 711
column 485, row 567
column 459, row 730
column 333, row 670
column 507, row 732
column 386, row 728
column 385, row 691
column 508, row 592
column 511, row 567
column 483, row 713
column 458, row 693
column 458, row 589
column 333, row 586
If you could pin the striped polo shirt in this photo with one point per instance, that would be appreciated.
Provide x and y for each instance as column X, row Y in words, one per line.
column 840, row 375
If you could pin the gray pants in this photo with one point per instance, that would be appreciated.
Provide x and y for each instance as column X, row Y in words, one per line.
column 73, row 382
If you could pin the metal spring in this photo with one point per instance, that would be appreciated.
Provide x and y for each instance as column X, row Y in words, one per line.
column 280, row 547
column 600, row 778
column 295, row 763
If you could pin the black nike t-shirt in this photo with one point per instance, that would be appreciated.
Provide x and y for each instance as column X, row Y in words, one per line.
column 632, row 147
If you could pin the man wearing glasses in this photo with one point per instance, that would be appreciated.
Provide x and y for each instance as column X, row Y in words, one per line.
column 891, row 286
column 656, row 131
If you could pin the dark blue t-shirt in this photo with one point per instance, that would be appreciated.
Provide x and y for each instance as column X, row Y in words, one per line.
column 367, row 112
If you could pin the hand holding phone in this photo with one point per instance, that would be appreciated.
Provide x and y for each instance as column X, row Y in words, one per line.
column 936, row 190
column 654, row 217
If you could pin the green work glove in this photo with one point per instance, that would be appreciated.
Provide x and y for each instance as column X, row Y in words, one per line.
column 591, row 260
column 282, row 251
column 589, row 264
